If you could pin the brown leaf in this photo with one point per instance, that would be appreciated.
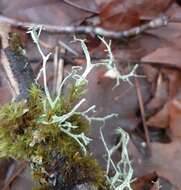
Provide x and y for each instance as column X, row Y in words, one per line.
column 169, row 33
column 149, row 8
column 5, row 164
column 46, row 12
column 160, row 119
column 119, row 15
column 160, row 95
column 146, row 167
column 174, row 78
column 145, row 182
column 18, row 170
column 166, row 161
column 175, row 117
column 23, row 181
column 123, row 14
column 174, row 12
column 88, row 5
column 101, row 3
column 170, row 114
column 166, row 56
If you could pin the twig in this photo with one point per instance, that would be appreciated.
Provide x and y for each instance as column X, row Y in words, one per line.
column 18, row 171
column 90, row 30
column 68, row 48
column 140, row 100
column 58, row 69
column 55, row 68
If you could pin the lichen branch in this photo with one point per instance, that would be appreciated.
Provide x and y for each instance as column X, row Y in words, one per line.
column 35, row 34
column 123, row 171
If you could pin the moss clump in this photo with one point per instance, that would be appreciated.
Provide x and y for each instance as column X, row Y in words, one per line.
column 56, row 159
column 15, row 43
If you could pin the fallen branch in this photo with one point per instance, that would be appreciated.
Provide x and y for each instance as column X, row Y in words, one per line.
column 90, row 30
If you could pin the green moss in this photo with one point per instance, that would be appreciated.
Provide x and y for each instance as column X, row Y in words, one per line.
column 45, row 146
column 45, row 187
column 15, row 43
column 85, row 169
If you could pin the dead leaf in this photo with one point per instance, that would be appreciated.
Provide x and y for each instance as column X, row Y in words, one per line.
column 145, row 182
column 123, row 14
column 45, row 12
column 166, row 56
column 160, row 119
column 119, row 15
column 174, row 78
column 89, row 6
column 166, row 161
column 149, row 8
column 175, row 117
column 5, row 164
column 174, row 12
column 161, row 94
column 170, row 114
column 169, row 33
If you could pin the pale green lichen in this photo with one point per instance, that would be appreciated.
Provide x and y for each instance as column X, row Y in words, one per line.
column 52, row 134
column 122, row 177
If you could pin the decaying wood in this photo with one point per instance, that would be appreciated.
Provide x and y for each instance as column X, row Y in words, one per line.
column 21, row 72
column 16, row 66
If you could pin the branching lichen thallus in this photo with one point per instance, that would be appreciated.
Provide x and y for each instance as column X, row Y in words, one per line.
column 52, row 134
